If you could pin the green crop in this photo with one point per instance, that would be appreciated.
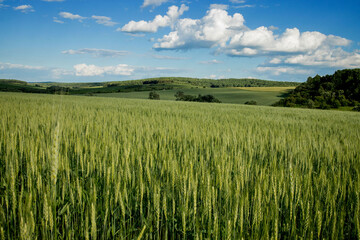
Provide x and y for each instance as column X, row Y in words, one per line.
column 99, row 168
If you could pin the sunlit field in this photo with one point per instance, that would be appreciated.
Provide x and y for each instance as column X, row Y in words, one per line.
column 262, row 95
column 266, row 89
column 99, row 168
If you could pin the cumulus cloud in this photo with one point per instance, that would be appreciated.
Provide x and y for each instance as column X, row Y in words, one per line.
column 219, row 6
column 4, row 66
column 214, row 29
column 103, row 20
column 84, row 70
column 153, row 3
column 24, row 8
column 324, row 57
column 225, row 33
column 169, row 19
column 273, row 28
column 263, row 41
column 214, row 61
column 96, row 52
column 71, row 16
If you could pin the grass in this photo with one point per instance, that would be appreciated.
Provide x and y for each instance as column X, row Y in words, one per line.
column 225, row 95
column 266, row 89
column 74, row 167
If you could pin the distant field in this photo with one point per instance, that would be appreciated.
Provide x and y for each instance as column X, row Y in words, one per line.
column 266, row 89
column 262, row 95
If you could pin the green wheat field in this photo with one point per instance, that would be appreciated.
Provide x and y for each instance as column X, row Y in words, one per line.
column 75, row 167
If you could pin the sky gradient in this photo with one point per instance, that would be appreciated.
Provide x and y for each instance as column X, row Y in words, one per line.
column 89, row 41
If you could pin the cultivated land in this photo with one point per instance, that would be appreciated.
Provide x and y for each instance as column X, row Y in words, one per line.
column 81, row 167
column 262, row 95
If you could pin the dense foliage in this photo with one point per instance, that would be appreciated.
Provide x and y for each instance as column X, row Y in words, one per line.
column 330, row 91
column 201, row 82
column 154, row 95
column 181, row 96
column 75, row 167
column 251, row 102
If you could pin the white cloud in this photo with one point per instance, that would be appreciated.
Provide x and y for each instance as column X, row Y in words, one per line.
column 55, row 19
column 58, row 73
column 134, row 34
column 237, row 1
column 92, row 70
column 154, row 3
column 3, row 5
column 263, row 41
column 245, row 6
column 103, row 20
column 219, row 6
column 214, row 29
column 96, row 52
column 228, row 34
column 24, row 8
column 4, row 66
column 71, row 16
column 273, row 28
column 275, row 60
column 283, row 70
column 169, row 19
column 214, row 61
column 326, row 57
column 212, row 76
column 245, row 52
column 53, row 0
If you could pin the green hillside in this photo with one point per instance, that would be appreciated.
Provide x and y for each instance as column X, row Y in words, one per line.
column 225, row 95
column 169, row 83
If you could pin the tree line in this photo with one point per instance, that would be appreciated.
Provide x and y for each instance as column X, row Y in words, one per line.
column 325, row 92
column 181, row 96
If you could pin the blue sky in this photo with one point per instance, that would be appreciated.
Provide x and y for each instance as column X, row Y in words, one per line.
column 89, row 40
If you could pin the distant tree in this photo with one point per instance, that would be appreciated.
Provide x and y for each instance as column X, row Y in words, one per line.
column 208, row 98
column 356, row 108
column 325, row 92
column 154, row 95
column 58, row 90
column 311, row 104
column 151, row 82
column 112, row 85
column 251, row 102
column 179, row 95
